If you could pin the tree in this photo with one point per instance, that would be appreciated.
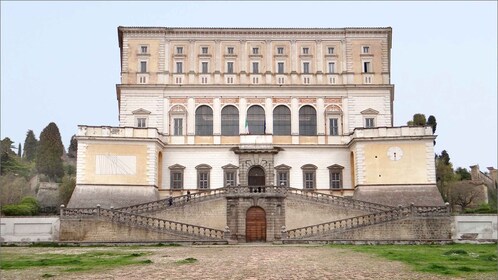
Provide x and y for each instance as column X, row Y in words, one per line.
column 49, row 152
column 465, row 195
column 72, row 151
column 13, row 188
column 30, row 146
column 19, row 151
column 444, row 174
column 418, row 120
column 463, row 174
column 66, row 189
column 431, row 121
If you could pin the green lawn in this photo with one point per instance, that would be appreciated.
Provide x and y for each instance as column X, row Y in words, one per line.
column 456, row 259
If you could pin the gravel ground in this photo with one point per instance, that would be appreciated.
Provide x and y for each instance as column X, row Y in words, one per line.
column 260, row 261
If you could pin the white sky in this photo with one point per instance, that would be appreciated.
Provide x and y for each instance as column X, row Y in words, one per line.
column 60, row 60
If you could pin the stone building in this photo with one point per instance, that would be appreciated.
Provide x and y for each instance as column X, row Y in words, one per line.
column 205, row 108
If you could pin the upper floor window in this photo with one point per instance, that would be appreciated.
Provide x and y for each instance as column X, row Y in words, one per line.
column 280, row 68
column 230, row 175
column 230, row 50
column 229, row 121
column 369, row 122
column 204, row 67
column 256, row 120
column 204, row 121
column 306, row 67
column 281, row 120
column 143, row 66
column 330, row 50
column 255, row 67
column 142, row 122
column 255, row 50
column 307, row 121
column 280, row 50
column 230, row 67
column 176, row 176
column 203, row 171
column 179, row 50
column 367, row 67
column 283, row 175
column 143, row 49
column 366, row 49
column 306, row 50
column 331, row 67
column 204, row 50
column 179, row 67
column 309, row 176
column 177, row 126
column 334, row 126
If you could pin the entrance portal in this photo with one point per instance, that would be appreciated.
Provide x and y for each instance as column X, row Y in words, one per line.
column 256, row 225
column 256, row 176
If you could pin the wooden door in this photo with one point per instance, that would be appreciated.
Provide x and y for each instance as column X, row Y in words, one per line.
column 256, row 225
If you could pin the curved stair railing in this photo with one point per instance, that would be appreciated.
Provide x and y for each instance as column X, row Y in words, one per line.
column 176, row 201
column 367, row 220
column 340, row 200
column 152, row 223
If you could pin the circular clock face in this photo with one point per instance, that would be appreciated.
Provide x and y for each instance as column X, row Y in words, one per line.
column 395, row 153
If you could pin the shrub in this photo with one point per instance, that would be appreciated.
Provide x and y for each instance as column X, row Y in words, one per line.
column 27, row 207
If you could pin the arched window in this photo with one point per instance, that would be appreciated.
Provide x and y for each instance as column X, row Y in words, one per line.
column 307, row 121
column 229, row 121
column 256, row 120
column 281, row 120
column 204, row 121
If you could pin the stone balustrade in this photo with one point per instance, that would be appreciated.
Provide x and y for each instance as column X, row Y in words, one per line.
column 367, row 220
column 120, row 132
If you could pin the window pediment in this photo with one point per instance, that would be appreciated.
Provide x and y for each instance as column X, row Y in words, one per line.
column 176, row 167
column 203, row 166
column 335, row 167
column 282, row 167
column 141, row 111
column 369, row 111
column 309, row 167
column 230, row 166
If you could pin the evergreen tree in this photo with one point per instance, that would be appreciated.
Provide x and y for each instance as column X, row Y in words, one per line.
column 444, row 174
column 30, row 145
column 19, row 153
column 72, row 151
column 432, row 122
column 49, row 152
column 417, row 120
column 463, row 174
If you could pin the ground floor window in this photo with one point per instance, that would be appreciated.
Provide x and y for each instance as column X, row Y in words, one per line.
column 203, row 172
column 176, row 176
column 335, row 175
column 283, row 178
column 309, row 176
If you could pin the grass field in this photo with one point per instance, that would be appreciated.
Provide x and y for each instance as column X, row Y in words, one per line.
column 456, row 259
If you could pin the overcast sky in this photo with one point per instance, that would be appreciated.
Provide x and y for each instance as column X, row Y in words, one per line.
column 60, row 60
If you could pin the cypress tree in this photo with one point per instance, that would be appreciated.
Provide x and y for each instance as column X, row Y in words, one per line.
column 19, row 150
column 30, row 145
column 432, row 122
column 72, row 151
column 49, row 152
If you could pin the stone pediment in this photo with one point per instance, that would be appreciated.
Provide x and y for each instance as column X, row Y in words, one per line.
column 369, row 111
column 141, row 111
column 177, row 166
column 229, row 166
column 335, row 166
column 203, row 166
column 282, row 167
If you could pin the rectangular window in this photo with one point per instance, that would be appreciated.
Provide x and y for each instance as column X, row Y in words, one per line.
column 335, row 180
column 179, row 67
column 230, row 179
column 283, row 178
column 367, row 68
column 179, row 50
column 280, row 50
column 177, row 180
column 309, row 180
column 141, row 122
column 306, row 67
column 230, row 67
column 255, row 50
column 334, row 126
column 143, row 66
column 204, row 67
column 280, row 68
column 331, row 50
column 369, row 122
column 306, row 50
column 204, row 50
column 331, row 67
column 366, row 49
column 203, row 180
column 143, row 49
column 255, row 67
column 178, row 127
column 230, row 50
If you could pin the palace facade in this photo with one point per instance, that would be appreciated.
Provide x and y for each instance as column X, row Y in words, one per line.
column 206, row 108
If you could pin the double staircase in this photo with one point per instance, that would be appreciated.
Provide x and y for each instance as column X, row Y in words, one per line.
column 140, row 215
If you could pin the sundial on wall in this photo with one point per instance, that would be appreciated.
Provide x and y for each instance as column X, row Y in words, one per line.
column 395, row 153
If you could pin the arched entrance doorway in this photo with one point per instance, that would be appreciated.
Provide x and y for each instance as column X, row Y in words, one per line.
column 255, row 225
column 256, row 176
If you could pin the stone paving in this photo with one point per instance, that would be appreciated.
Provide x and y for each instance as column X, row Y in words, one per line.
column 248, row 262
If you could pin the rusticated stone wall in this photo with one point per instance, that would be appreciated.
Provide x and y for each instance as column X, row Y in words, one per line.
column 210, row 213
column 301, row 212
column 104, row 231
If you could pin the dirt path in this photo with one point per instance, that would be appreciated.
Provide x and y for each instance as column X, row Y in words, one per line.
column 234, row 262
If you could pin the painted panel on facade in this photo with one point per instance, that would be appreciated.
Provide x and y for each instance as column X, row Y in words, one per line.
column 115, row 165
